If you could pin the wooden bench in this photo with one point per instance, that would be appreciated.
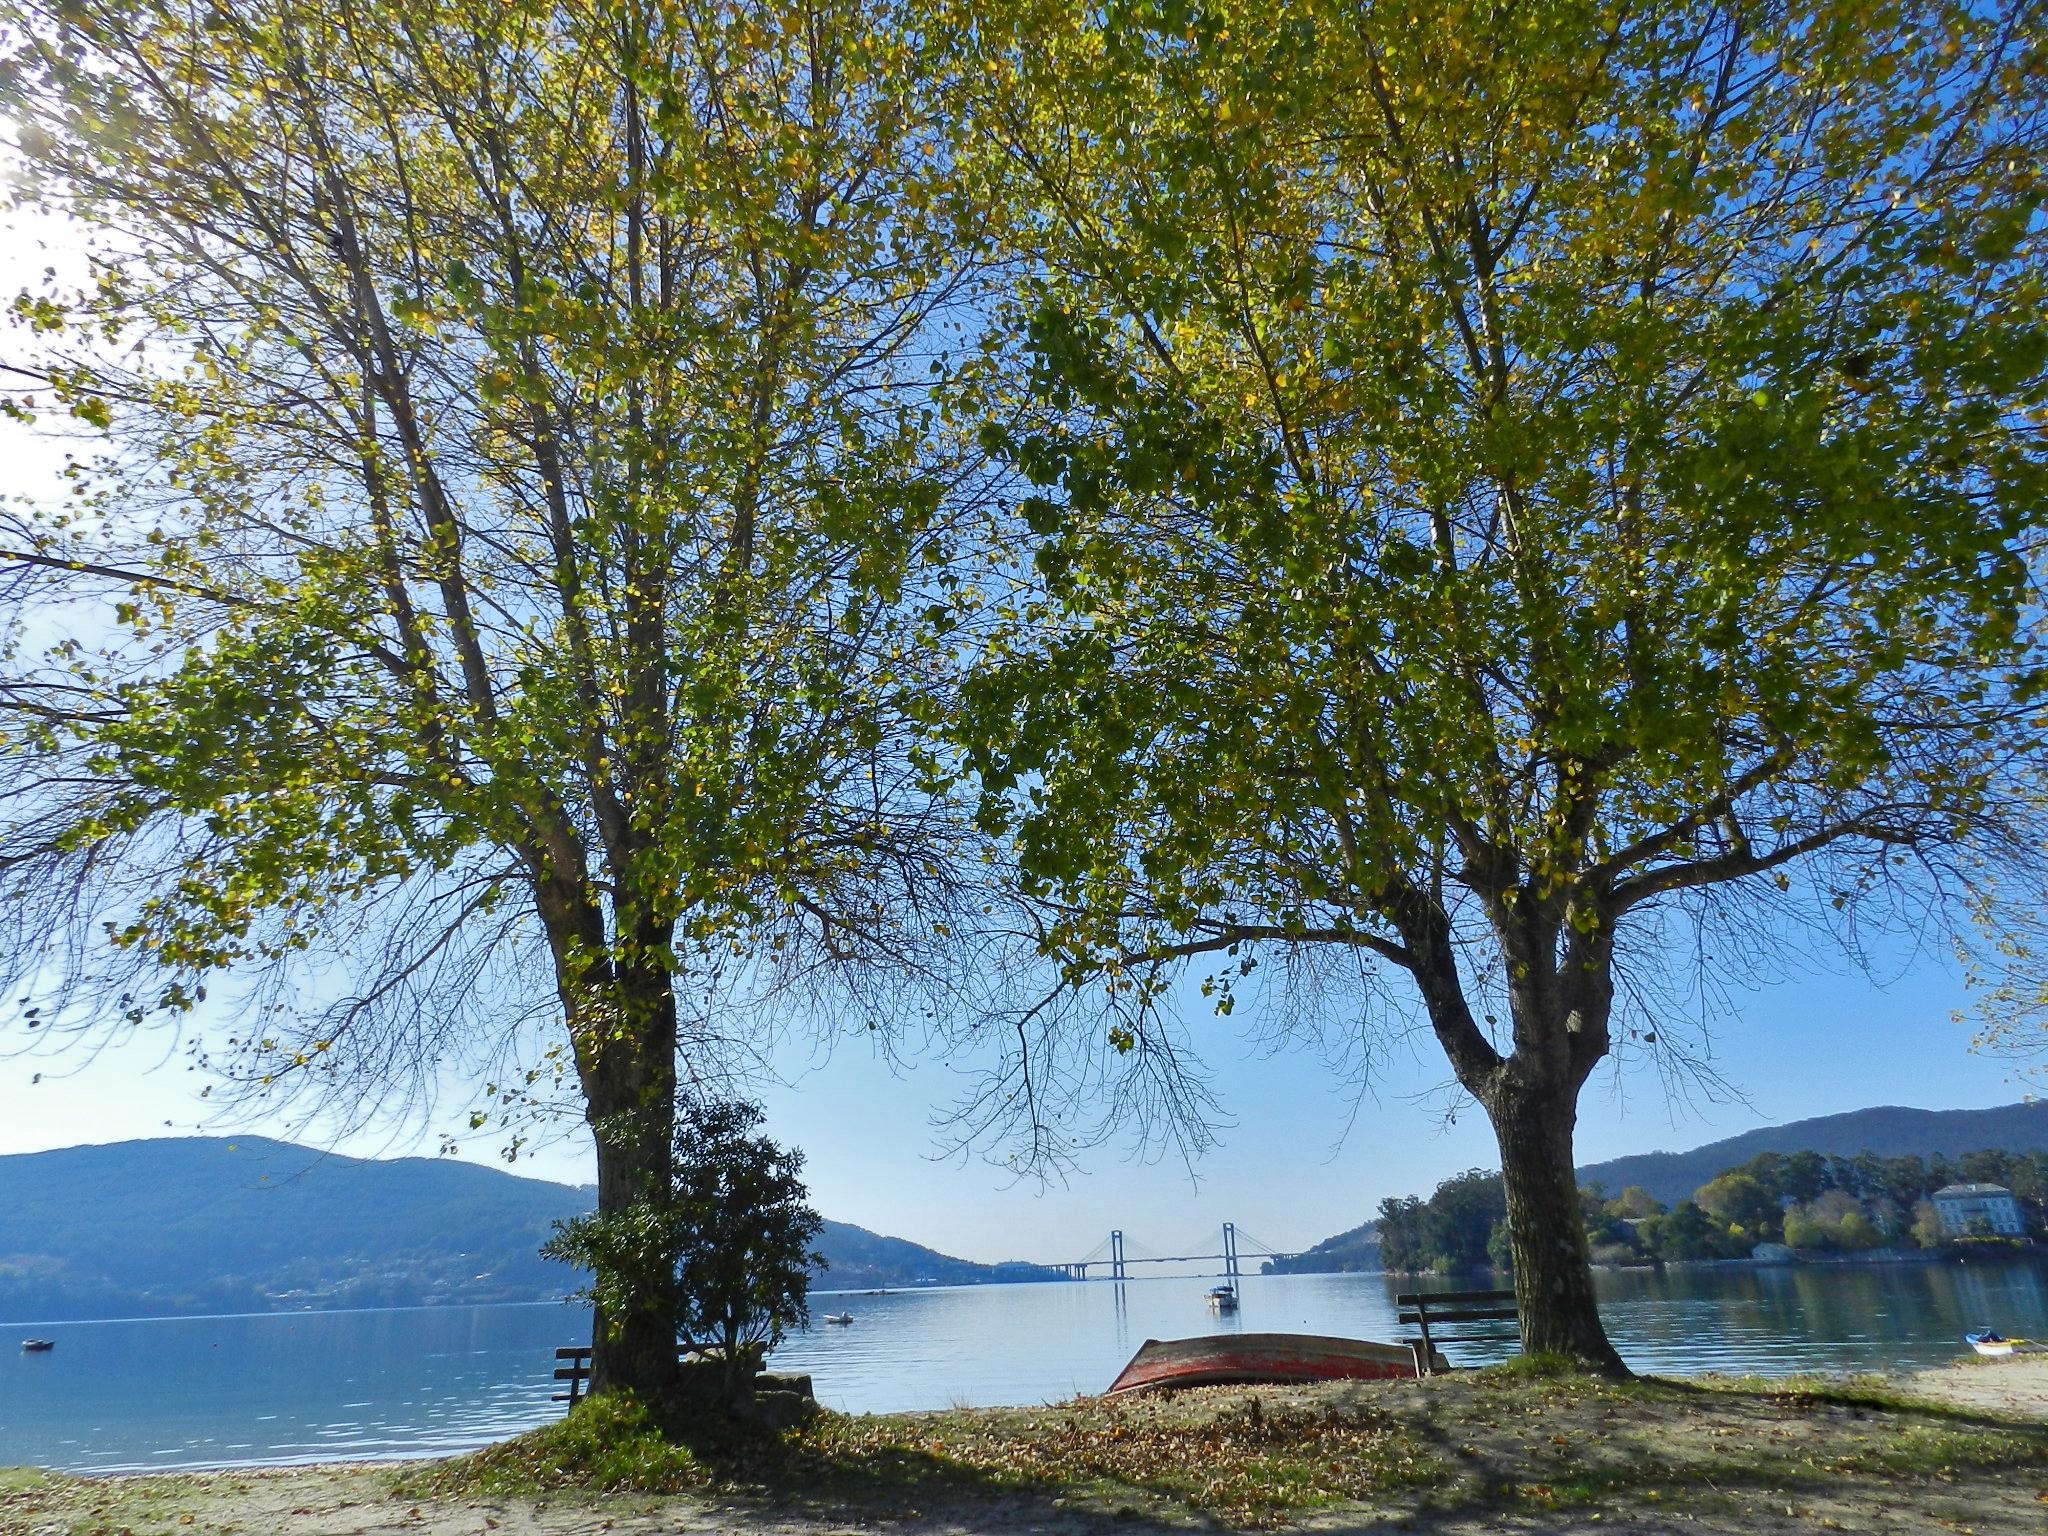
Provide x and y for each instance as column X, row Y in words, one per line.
column 1427, row 1310
column 576, row 1372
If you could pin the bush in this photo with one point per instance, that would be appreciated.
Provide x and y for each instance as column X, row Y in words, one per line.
column 610, row 1443
column 1689, row 1233
column 728, row 1243
column 1835, row 1221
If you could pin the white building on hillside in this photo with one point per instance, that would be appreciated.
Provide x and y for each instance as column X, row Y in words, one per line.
column 1960, row 1206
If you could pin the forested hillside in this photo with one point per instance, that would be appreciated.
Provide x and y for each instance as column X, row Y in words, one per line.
column 1348, row 1252
column 1888, row 1131
column 1456, row 1224
column 209, row 1224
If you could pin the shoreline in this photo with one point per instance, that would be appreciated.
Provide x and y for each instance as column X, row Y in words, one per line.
column 2036, row 1254
column 2033, row 1253
column 1958, row 1446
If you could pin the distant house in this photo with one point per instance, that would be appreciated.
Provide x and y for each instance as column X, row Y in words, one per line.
column 1959, row 1207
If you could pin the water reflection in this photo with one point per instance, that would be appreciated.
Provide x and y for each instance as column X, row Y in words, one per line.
column 321, row 1386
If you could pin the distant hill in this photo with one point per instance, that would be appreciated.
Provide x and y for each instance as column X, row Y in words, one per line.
column 1355, row 1251
column 863, row 1260
column 1889, row 1131
column 225, row 1224
column 1673, row 1176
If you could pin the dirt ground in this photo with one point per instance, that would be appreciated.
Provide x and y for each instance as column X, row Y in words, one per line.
column 1963, row 1449
column 2017, row 1385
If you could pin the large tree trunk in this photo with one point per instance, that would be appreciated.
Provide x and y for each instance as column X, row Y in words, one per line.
column 1546, row 1232
column 631, row 1095
column 634, row 1126
column 622, row 1025
column 1532, row 1098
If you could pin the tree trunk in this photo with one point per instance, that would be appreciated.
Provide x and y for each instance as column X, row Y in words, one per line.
column 1546, row 1232
column 632, row 1111
column 1561, row 1006
column 635, row 1351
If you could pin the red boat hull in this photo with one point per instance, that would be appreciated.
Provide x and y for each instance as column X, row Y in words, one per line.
column 1267, row 1357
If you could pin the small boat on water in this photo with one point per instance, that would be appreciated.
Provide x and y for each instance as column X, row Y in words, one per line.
column 38, row 1346
column 1274, row 1357
column 841, row 1318
column 1223, row 1298
column 1994, row 1345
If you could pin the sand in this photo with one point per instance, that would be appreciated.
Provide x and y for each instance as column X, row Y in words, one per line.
column 2016, row 1385
column 1550, row 1457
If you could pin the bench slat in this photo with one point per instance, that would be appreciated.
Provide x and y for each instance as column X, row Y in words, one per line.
column 1476, row 1315
column 1471, row 1338
column 582, row 1351
column 1433, row 1299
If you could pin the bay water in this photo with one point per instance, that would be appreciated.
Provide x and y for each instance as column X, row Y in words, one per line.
column 162, row 1393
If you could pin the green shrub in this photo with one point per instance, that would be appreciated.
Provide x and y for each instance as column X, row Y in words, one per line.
column 611, row 1443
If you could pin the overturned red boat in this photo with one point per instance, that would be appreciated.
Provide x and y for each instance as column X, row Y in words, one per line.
column 1268, row 1357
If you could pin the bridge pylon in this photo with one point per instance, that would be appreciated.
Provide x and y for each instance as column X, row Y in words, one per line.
column 1230, row 1251
column 1116, row 1255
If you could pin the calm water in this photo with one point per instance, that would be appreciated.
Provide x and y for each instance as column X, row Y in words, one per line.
column 312, row 1386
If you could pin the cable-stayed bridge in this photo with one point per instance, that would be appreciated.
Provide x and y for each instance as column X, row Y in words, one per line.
column 1117, row 1255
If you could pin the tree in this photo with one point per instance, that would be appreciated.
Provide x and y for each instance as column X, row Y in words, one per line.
column 1402, row 1248
column 1806, row 1176
column 1500, row 1251
column 1452, row 1230
column 1688, row 1233
column 1635, row 1202
column 729, row 1235
column 1927, row 1230
column 1834, row 1220
column 1463, row 1213
column 520, row 446
column 747, row 1259
column 1509, row 491
column 1609, row 1235
column 1905, row 1181
column 2004, row 964
column 1738, row 1201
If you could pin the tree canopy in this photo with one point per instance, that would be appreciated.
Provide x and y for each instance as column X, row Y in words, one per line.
column 1504, row 495
column 520, row 460
column 1518, row 487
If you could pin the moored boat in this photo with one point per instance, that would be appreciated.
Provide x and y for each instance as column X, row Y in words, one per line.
column 1993, row 1345
column 1223, row 1298
column 1272, row 1357
column 841, row 1318
column 38, row 1346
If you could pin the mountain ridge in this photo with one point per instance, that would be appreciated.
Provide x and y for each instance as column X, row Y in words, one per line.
column 248, row 1223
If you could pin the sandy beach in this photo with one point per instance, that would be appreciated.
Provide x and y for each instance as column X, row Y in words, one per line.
column 2017, row 1386
column 1961, row 1449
